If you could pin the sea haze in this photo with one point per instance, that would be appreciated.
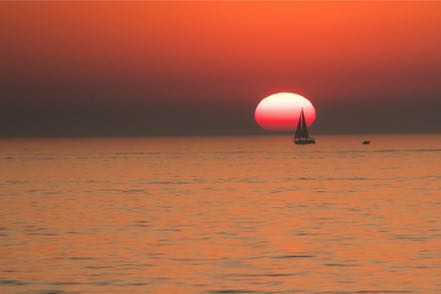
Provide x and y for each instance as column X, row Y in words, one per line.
column 253, row 214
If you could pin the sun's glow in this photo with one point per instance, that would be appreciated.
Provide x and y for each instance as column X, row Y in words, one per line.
column 281, row 111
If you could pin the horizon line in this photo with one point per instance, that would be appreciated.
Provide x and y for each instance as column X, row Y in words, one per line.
column 274, row 134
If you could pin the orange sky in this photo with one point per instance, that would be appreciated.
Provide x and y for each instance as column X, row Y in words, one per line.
column 221, row 52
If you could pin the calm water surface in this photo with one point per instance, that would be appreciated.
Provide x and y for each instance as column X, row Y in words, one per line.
column 221, row 215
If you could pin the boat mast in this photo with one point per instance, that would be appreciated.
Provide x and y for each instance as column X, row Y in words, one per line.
column 298, row 133
column 305, row 133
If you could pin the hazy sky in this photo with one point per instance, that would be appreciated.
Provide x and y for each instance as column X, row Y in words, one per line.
column 201, row 68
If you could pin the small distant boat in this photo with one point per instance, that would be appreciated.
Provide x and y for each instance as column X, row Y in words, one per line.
column 366, row 142
column 301, row 135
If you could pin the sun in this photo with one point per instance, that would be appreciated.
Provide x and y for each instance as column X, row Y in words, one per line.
column 281, row 111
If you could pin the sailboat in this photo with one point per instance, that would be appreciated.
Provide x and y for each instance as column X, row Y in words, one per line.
column 301, row 135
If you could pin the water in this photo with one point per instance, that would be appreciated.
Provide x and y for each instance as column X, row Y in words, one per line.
column 221, row 215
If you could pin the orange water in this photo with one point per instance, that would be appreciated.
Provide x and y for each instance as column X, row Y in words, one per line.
column 221, row 215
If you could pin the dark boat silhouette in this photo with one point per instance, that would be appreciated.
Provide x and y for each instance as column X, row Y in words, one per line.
column 301, row 135
column 366, row 142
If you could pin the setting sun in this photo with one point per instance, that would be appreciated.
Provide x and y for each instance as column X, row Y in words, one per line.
column 281, row 111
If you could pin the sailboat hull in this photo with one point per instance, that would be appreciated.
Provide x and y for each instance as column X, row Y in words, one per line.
column 304, row 141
